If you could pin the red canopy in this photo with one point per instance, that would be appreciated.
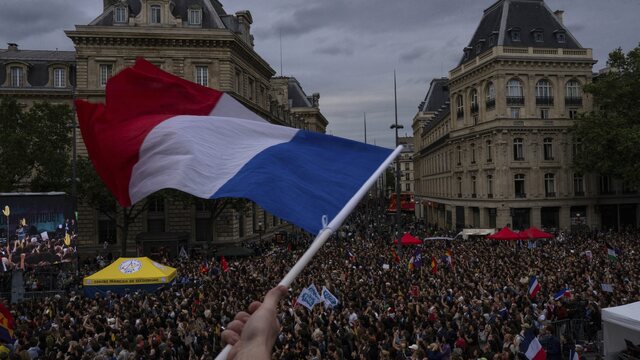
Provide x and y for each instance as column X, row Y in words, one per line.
column 506, row 234
column 408, row 239
column 535, row 233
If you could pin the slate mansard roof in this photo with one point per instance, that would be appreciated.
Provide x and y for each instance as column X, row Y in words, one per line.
column 213, row 14
column 524, row 16
column 39, row 62
column 437, row 95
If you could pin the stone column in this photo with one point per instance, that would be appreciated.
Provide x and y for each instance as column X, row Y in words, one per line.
column 565, row 217
column 503, row 217
column 536, row 217
column 484, row 217
column 593, row 217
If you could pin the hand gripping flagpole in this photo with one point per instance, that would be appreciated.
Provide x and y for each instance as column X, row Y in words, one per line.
column 327, row 231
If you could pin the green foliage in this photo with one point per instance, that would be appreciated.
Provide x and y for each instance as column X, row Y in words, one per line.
column 34, row 147
column 610, row 134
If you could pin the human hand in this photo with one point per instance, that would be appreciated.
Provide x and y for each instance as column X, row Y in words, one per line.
column 253, row 334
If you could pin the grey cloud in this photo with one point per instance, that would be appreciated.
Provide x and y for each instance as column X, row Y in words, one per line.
column 334, row 50
column 413, row 54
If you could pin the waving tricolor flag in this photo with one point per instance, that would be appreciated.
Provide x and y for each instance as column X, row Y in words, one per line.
column 7, row 325
column 434, row 265
column 158, row 131
column 573, row 355
column 534, row 286
column 564, row 292
column 532, row 348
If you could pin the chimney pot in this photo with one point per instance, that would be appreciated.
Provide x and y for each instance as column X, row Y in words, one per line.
column 559, row 15
column 13, row 46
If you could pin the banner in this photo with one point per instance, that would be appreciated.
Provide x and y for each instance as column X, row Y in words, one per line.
column 330, row 301
column 314, row 291
column 306, row 298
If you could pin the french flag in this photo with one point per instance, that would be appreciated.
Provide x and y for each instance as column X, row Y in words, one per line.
column 158, row 131
column 573, row 355
column 534, row 286
column 562, row 293
column 532, row 348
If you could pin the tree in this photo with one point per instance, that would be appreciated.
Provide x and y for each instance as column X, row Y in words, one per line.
column 34, row 147
column 610, row 134
column 93, row 192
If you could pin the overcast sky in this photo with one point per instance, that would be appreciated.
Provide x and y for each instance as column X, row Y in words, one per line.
column 347, row 49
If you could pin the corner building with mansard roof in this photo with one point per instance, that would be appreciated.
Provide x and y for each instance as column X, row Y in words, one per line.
column 493, row 142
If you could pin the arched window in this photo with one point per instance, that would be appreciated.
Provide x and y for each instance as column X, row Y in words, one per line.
column 491, row 96
column 59, row 77
column 515, row 94
column 544, row 94
column 573, row 93
column 550, row 185
column 474, row 101
column 460, row 106
column 155, row 14
column 17, row 76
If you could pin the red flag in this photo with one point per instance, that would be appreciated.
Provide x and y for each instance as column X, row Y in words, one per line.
column 7, row 325
column 224, row 264
column 395, row 256
column 434, row 265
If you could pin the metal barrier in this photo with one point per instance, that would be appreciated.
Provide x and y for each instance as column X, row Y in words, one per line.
column 578, row 331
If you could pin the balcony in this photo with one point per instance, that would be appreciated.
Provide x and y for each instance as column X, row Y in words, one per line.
column 550, row 194
column 579, row 193
column 489, row 196
column 544, row 100
column 515, row 100
column 475, row 108
column 459, row 195
column 491, row 104
column 521, row 195
column 573, row 101
column 473, row 196
column 460, row 114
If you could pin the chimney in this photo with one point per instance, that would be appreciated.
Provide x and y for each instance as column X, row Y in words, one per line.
column 559, row 15
column 12, row 46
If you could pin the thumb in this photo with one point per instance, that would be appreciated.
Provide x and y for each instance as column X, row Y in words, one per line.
column 274, row 296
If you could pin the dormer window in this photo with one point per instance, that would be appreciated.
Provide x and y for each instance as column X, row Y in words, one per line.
column 59, row 78
column 195, row 16
column 560, row 37
column 492, row 40
column 17, row 76
column 155, row 14
column 478, row 48
column 515, row 34
column 120, row 14
column 467, row 52
column 538, row 36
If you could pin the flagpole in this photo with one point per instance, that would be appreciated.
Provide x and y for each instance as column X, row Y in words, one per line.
column 327, row 231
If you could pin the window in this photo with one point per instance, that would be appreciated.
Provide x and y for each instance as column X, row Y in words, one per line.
column 459, row 187
column 544, row 95
column 550, row 185
column 515, row 94
column 474, row 101
column 105, row 73
column 120, row 14
column 107, row 228
column 407, row 187
column 605, row 185
column 573, row 93
column 202, row 75
column 489, row 151
column 459, row 155
column 560, row 37
column 573, row 114
column 478, row 48
column 577, row 147
column 155, row 214
column 518, row 181
column 518, row 149
column 492, row 40
column 460, row 106
column 204, row 222
column 491, row 96
column 538, row 36
column 473, row 153
column 544, row 113
column 155, row 14
column 195, row 16
column 547, row 145
column 490, row 186
column 473, row 187
column 17, row 76
column 515, row 112
column 578, row 185
column 251, row 89
column 59, row 78
column 515, row 35
column 238, row 82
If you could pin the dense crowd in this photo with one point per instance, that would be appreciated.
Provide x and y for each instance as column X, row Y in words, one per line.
column 475, row 306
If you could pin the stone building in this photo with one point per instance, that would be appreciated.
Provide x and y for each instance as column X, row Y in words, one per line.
column 493, row 141
column 194, row 39
column 406, row 164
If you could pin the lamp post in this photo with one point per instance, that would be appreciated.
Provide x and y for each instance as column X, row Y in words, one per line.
column 396, row 127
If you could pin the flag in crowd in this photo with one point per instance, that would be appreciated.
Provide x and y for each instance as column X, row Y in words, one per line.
column 531, row 347
column 534, row 286
column 312, row 288
column 176, row 125
column 589, row 255
column 564, row 292
column 449, row 258
column 224, row 264
column 606, row 287
column 330, row 300
column 350, row 256
column 573, row 355
column 434, row 265
column 7, row 325
column 612, row 254
column 504, row 312
column 395, row 256
column 416, row 259
column 309, row 297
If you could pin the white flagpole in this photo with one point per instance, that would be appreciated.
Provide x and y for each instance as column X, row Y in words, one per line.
column 328, row 230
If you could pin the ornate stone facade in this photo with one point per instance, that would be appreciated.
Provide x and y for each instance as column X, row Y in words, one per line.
column 496, row 149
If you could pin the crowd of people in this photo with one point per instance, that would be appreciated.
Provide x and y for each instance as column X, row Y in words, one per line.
column 473, row 304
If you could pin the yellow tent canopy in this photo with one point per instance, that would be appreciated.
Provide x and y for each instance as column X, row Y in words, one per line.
column 129, row 274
